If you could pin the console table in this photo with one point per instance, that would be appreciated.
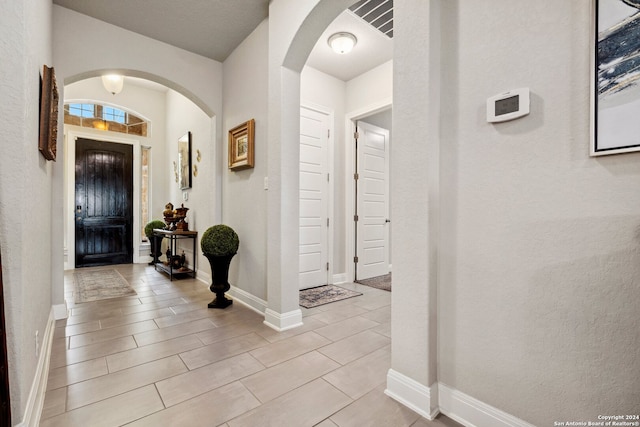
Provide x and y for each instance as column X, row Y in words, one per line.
column 173, row 237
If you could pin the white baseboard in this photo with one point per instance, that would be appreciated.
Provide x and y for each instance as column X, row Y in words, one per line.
column 471, row 412
column 282, row 321
column 412, row 394
column 339, row 278
column 253, row 302
column 35, row 402
column 60, row 311
column 203, row 277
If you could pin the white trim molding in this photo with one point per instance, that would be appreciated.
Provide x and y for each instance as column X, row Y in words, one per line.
column 412, row 394
column 278, row 321
column 282, row 321
column 251, row 301
column 339, row 278
column 35, row 402
column 471, row 412
column 60, row 311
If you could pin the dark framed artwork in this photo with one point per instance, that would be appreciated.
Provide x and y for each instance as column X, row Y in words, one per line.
column 241, row 146
column 49, row 99
column 184, row 161
column 616, row 82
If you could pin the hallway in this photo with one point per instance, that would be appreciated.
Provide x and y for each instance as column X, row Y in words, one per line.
column 162, row 358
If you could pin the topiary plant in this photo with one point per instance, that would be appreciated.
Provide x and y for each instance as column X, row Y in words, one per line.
column 219, row 240
column 148, row 229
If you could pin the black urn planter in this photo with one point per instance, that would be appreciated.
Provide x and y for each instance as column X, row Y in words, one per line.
column 220, row 282
column 156, row 248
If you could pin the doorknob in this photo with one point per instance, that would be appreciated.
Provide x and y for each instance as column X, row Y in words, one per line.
column 387, row 220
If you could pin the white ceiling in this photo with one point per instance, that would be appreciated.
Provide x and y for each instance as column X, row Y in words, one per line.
column 214, row 28
column 372, row 49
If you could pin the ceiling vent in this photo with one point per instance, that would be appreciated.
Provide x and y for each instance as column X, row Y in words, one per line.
column 378, row 13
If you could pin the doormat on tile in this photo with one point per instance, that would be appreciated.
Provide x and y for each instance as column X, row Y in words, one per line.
column 379, row 282
column 94, row 285
column 326, row 294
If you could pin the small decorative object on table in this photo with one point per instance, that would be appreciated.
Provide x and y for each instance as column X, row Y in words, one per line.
column 181, row 214
column 219, row 244
column 168, row 215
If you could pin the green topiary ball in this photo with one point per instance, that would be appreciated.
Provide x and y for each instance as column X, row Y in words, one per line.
column 219, row 240
column 148, row 229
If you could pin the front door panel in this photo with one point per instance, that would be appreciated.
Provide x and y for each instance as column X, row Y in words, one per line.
column 103, row 203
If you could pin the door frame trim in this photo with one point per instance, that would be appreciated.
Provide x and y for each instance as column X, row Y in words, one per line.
column 70, row 137
column 331, row 170
column 350, row 197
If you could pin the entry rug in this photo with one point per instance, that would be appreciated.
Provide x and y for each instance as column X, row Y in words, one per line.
column 94, row 285
column 326, row 294
column 379, row 282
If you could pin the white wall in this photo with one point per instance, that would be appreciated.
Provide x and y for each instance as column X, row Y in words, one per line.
column 27, row 187
column 370, row 89
column 244, row 196
column 184, row 116
column 538, row 295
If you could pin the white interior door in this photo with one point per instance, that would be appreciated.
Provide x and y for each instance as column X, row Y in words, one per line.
column 372, row 229
column 314, row 196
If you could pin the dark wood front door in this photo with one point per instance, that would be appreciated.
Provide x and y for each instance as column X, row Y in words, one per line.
column 103, row 203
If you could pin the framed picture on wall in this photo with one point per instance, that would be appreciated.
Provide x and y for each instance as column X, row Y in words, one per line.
column 616, row 81
column 241, row 146
column 184, row 161
column 49, row 99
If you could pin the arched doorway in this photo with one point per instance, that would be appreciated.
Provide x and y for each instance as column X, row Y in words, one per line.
column 413, row 375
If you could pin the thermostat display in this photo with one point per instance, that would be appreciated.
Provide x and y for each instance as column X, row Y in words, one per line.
column 508, row 106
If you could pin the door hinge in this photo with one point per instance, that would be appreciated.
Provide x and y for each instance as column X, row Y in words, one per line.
column 355, row 259
column 356, row 176
column 327, row 222
column 328, row 133
column 328, row 178
column 327, row 266
column 355, row 218
column 356, row 135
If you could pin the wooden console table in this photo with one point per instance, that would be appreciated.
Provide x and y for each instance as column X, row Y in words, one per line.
column 173, row 237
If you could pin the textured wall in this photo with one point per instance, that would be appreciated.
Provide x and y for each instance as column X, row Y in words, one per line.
column 244, row 197
column 184, row 116
column 540, row 250
column 25, row 192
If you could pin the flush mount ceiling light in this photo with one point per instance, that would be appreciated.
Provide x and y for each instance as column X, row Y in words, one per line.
column 342, row 42
column 113, row 83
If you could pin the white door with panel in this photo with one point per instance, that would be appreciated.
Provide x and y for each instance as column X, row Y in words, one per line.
column 372, row 227
column 314, row 197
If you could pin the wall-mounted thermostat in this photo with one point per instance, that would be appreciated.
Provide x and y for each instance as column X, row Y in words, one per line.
column 508, row 106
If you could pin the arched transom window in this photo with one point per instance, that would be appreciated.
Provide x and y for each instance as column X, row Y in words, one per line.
column 104, row 117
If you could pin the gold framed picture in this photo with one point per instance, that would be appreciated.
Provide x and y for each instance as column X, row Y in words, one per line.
column 241, row 146
column 49, row 99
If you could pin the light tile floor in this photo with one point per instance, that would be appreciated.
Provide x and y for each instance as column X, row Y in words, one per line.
column 162, row 358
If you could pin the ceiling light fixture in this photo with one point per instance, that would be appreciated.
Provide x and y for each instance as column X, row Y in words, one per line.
column 113, row 83
column 342, row 42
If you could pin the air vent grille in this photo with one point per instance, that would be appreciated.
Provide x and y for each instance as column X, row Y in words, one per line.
column 378, row 13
